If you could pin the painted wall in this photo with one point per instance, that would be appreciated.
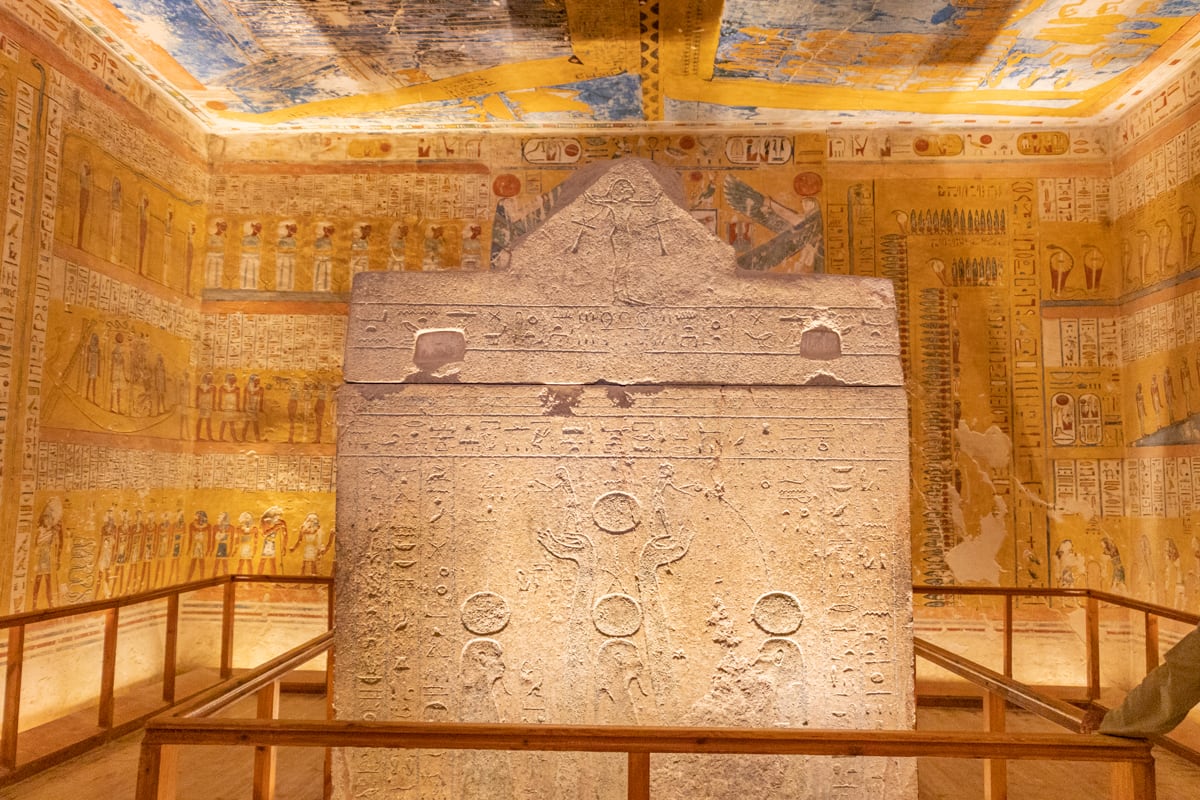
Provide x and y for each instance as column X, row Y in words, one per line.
column 172, row 314
column 125, row 466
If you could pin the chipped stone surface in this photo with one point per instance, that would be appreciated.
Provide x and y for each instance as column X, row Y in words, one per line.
column 716, row 547
column 630, row 292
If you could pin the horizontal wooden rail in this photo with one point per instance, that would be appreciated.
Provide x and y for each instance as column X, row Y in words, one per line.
column 78, row 609
column 1057, row 711
column 1033, row 591
column 108, row 726
column 230, row 691
column 644, row 739
column 998, row 687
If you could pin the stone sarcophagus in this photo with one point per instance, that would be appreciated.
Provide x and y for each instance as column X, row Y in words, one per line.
column 619, row 482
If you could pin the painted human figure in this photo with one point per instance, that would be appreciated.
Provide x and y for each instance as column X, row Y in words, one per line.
column 251, row 257
column 397, row 245
column 107, row 556
column 85, row 199
column 1069, row 564
column 1164, row 237
column 1156, row 401
column 178, row 529
column 319, row 412
column 293, row 410
column 1116, row 581
column 1169, row 391
column 199, row 541
column 1185, row 383
column 159, row 377
column 168, row 242
column 141, row 377
column 247, row 540
column 91, row 366
column 1146, row 568
column 472, row 248
column 323, row 258
column 1174, row 578
column 118, row 376
column 47, row 548
column 206, row 403
column 435, row 245
column 229, row 404
column 253, row 406
column 122, row 555
column 1139, row 401
column 163, row 550
column 189, row 258
column 223, row 539
column 214, row 257
column 274, row 541
column 310, row 538
column 115, row 205
column 137, row 532
column 360, row 259
column 149, row 550
column 143, row 232
column 285, row 258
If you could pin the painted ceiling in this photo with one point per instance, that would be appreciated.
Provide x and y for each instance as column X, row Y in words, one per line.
column 313, row 64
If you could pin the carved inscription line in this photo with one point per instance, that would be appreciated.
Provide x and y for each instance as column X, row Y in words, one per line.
column 647, row 411
column 437, row 454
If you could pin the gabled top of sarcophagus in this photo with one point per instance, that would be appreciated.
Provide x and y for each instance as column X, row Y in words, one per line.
column 622, row 285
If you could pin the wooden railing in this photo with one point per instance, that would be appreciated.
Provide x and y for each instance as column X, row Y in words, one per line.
column 1132, row 771
column 106, row 729
column 189, row 723
column 1092, row 600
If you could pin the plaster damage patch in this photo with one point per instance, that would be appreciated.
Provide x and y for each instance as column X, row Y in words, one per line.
column 973, row 560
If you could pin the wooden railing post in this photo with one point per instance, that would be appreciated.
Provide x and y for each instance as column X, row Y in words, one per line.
column 1008, row 636
column 329, row 606
column 330, row 654
column 170, row 649
column 157, row 772
column 1132, row 780
column 227, row 608
column 639, row 776
column 1151, row 641
column 108, row 667
column 12, row 697
column 264, row 755
column 995, row 770
column 1093, row 648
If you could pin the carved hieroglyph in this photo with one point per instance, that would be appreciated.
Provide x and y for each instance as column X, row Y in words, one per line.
column 620, row 483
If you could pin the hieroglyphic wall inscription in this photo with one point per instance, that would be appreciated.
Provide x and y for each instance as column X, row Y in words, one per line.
column 715, row 560
column 507, row 341
column 558, row 509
